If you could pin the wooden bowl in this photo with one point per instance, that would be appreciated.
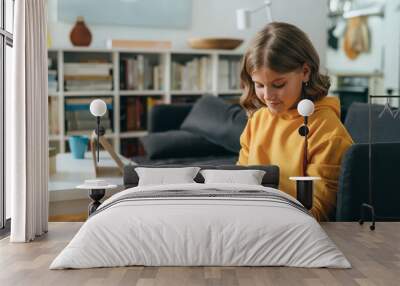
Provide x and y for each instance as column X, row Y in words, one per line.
column 214, row 43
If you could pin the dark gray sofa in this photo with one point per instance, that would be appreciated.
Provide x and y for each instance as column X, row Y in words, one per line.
column 170, row 117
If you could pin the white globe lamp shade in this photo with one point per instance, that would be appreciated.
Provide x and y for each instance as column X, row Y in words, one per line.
column 98, row 107
column 305, row 107
column 243, row 19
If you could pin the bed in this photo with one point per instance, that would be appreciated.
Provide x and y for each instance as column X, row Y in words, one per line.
column 201, row 224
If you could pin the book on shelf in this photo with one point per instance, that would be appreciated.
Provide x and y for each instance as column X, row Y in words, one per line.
column 229, row 74
column 52, row 87
column 52, row 75
column 88, row 76
column 84, row 103
column 147, row 71
column 223, row 75
column 132, row 147
column 88, row 69
column 49, row 62
column 234, row 74
column 134, row 112
column 158, row 78
column 79, row 118
column 130, row 76
column 53, row 116
column 83, row 125
column 194, row 75
column 204, row 71
column 130, row 114
column 139, row 120
column 138, row 73
column 176, row 76
column 82, row 114
column 52, row 81
column 138, row 44
column 84, row 78
column 135, row 115
column 87, row 85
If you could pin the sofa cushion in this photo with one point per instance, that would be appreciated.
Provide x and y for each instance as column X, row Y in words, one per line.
column 218, row 121
column 178, row 144
column 165, row 117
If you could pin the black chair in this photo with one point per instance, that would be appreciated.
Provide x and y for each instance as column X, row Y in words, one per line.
column 354, row 182
column 356, row 177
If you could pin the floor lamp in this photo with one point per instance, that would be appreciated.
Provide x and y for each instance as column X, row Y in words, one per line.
column 304, row 183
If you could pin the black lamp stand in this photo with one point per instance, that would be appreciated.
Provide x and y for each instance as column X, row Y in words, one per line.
column 96, row 140
column 100, row 131
column 304, row 185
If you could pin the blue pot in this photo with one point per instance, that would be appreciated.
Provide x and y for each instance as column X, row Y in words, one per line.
column 78, row 146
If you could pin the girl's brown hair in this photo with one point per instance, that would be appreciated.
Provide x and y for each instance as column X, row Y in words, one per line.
column 283, row 48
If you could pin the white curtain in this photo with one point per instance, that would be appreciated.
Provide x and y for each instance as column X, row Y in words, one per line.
column 26, row 123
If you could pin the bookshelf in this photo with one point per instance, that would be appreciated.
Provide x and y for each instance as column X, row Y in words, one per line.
column 131, row 82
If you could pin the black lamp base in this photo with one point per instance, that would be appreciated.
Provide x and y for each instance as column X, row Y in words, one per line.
column 96, row 195
column 304, row 190
column 305, row 193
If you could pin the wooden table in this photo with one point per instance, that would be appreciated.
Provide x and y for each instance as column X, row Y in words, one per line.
column 374, row 255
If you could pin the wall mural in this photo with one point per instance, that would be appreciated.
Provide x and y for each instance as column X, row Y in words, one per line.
column 175, row 14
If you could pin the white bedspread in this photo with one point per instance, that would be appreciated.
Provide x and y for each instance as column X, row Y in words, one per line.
column 200, row 231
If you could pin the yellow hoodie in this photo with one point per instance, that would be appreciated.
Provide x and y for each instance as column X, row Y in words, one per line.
column 274, row 139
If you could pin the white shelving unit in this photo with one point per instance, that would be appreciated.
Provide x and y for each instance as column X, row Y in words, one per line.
column 166, row 57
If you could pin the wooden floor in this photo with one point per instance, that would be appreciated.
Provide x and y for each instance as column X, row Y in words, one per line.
column 375, row 257
column 79, row 217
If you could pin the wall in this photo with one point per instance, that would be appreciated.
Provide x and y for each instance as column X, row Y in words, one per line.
column 391, row 65
column 384, row 54
column 371, row 62
column 211, row 18
column 338, row 62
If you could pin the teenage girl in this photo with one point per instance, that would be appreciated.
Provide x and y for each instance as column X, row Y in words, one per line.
column 281, row 67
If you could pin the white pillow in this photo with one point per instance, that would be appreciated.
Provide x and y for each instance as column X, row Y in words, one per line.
column 164, row 176
column 248, row 177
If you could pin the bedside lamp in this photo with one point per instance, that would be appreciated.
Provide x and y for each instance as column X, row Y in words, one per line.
column 243, row 15
column 304, row 184
column 98, row 108
column 97, row 188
